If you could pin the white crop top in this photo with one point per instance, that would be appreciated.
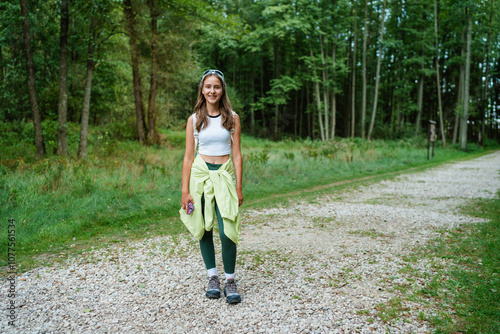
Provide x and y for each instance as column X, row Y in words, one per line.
column 214, row 140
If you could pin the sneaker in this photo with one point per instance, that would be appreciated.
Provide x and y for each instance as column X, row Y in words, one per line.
column 231, row 292
column 213, row 290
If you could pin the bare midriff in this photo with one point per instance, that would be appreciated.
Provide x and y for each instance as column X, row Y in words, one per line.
column 218, row 160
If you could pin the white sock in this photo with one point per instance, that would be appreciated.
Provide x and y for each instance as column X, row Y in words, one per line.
column 229, row 276
column 212, row 272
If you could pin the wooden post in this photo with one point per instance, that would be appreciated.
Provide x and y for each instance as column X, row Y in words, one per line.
column 431, row 137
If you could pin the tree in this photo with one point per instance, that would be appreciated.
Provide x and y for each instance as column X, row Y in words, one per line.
column 422, row 74
column 134, row 54
column 438, row 80
column 486, row 75
column 63, row 76
column 354, row 63
column 460, row 90
column 377, row 76
column 465, row 116
column 333, row 99
column 84, row 125
column 37, row 121
column 152, row 135
column 365, row 44
column 259, row 45
column 102, row 27
column 318, row 101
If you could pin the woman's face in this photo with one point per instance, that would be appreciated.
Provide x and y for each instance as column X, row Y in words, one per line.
column 212, row 89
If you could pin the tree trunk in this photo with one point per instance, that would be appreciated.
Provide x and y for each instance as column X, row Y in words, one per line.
column 130, row 22
column 295, row 114
column 377, row 80
column 459, row 104
column 276, row 76
column 84, row 126
column 152, row 135
column 460, row 95
column 420, row 100
column 252, row 93
column 463, row 128
column 334, row 94
column 365, row 42
column 486, row 75
column 392, row 104
column 264, row 126
column 37, row 120
column 420, row 90
column 354, row 62
column 325, row 88
column 301, row 118
column 309, row 115
column 62, row 122
column 398, row 101
column 318, row 99
column 438, row 80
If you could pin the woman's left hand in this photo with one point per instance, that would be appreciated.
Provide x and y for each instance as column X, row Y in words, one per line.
column 239, row 192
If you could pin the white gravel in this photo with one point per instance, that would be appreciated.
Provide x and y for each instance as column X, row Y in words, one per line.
column 330, row 265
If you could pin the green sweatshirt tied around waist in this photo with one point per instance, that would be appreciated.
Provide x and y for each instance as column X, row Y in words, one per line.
column 217, row 185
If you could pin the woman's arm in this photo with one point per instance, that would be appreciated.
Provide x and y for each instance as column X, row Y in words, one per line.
column 188, row 161
column 237, row 159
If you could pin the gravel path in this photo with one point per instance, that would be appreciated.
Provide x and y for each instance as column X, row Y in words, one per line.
column 335, row 264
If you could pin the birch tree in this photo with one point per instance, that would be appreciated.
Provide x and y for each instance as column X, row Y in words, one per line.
column 465, row 116
column 438, row 80
column 377, row 76
column 84, row 124
column 365, row 44
column 354, row 64
column 486, row 74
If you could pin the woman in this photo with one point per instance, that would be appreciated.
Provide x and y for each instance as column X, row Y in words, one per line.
column 211, row 180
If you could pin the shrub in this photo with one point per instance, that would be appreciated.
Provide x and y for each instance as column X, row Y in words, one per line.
column 258, row 157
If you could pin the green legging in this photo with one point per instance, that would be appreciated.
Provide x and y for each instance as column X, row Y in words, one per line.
column 207, row 242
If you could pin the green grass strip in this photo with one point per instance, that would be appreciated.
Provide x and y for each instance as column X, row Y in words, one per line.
column 472, row 285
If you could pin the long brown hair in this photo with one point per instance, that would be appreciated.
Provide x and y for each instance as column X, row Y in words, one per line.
column 224, row 107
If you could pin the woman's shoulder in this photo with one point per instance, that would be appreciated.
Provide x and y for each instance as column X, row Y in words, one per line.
column 192, row 117
column 191, row 120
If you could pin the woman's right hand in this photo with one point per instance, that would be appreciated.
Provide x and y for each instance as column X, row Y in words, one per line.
column 186, row 198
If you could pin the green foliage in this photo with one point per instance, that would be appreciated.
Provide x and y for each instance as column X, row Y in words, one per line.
column 280, row 89
column 272, row 53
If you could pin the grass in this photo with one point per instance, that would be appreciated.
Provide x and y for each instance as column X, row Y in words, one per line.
column 472, row 284
column 123, row 190
column 461, row 293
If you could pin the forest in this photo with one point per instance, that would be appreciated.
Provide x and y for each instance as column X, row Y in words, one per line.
column 295, row 69
column 334, row 97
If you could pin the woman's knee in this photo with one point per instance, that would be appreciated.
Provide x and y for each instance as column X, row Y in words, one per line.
column 225, row 241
